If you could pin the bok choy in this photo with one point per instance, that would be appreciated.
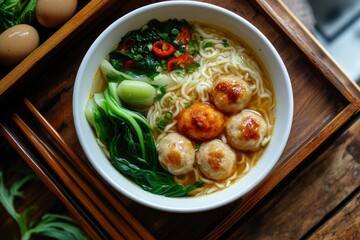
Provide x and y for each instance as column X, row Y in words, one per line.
column 113, row 75
column 130, row 144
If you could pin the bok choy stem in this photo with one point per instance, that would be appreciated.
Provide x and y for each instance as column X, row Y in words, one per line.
column 131, row 144
column 116, row 111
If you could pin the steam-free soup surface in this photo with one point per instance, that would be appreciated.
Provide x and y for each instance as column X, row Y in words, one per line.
column 206, row 101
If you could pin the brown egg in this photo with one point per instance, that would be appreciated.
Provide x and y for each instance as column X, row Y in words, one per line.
column 54, row 13
column 16, row 43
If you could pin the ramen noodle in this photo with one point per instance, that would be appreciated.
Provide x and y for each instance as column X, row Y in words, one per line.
column 218, row 60
column 215, row 110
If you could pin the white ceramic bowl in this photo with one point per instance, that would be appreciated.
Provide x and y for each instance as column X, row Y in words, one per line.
column 191, row 11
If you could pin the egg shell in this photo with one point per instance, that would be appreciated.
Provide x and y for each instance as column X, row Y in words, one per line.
column 16, row 43
column 54, row 13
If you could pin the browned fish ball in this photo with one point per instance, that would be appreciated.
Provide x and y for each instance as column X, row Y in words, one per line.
column 201, row 122
column 230, row 94
column 216, row 159
column 246, row 130
column 176, row 154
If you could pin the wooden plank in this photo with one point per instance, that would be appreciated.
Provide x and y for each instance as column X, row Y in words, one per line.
column 344, row 225
column 36, row 195
column 320, row 109
column 282, row 17
column 62, row 38
column 306, row 197
column 321, row 65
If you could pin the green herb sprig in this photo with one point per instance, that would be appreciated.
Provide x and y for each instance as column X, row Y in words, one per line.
column 13, row 12
column 54, row 226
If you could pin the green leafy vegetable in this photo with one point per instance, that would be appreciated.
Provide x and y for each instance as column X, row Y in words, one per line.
column 131, row 145
column 175, row 31
column 192, row 67
column 55, row 226
column 225, row 43
column 208, row 45
column 164, row 121
column 28, row 14
column 94, row 115
column 113, row 75
column 156, row 182
column 197, row 146
column 137, row 75
column 137, row 45
column 51, row 225
column 13, row 12
column 161, row 93
column 138, row 95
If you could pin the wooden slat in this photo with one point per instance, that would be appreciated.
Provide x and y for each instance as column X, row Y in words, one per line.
column 36, row 194
column 281, row 16
column 131, row 227
column 324, row 101
column 344, row 225
column 307, row 197
column 305, row 116
column 81, row 190
column 43, row 55
column 319, row 109
column 56, row 188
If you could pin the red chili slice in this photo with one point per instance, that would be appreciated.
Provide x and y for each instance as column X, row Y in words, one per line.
column 163, row 49
column 127, row 44
column 183, row 60
column 184, row 36
column 129, row 63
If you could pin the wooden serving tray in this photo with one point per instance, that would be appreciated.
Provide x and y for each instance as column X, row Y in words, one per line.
column 55, row 40
column 324, row 97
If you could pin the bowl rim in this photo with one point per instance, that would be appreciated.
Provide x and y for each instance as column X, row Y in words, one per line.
column 143, row 197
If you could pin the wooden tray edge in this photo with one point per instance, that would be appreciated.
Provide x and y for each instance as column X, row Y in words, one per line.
column 64, row 35
column 335, row 75
column 306, row 43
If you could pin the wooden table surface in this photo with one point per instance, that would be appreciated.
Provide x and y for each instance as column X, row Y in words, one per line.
column 314, row 192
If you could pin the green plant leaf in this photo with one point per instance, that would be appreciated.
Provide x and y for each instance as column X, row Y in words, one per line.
column 56, row 226
column 7, row 198
column 132, row 147
column 28, row 14
column 51, row 225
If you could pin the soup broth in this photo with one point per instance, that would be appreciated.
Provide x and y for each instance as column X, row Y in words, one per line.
column 219, row 56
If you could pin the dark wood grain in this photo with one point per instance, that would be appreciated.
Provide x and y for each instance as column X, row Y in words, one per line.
column 125, row 222
column 344, row 225
column 302, row 140
column 36, row 194
column 89, row 226
column 54, row 41
column 282, row 17
column 308, row 197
